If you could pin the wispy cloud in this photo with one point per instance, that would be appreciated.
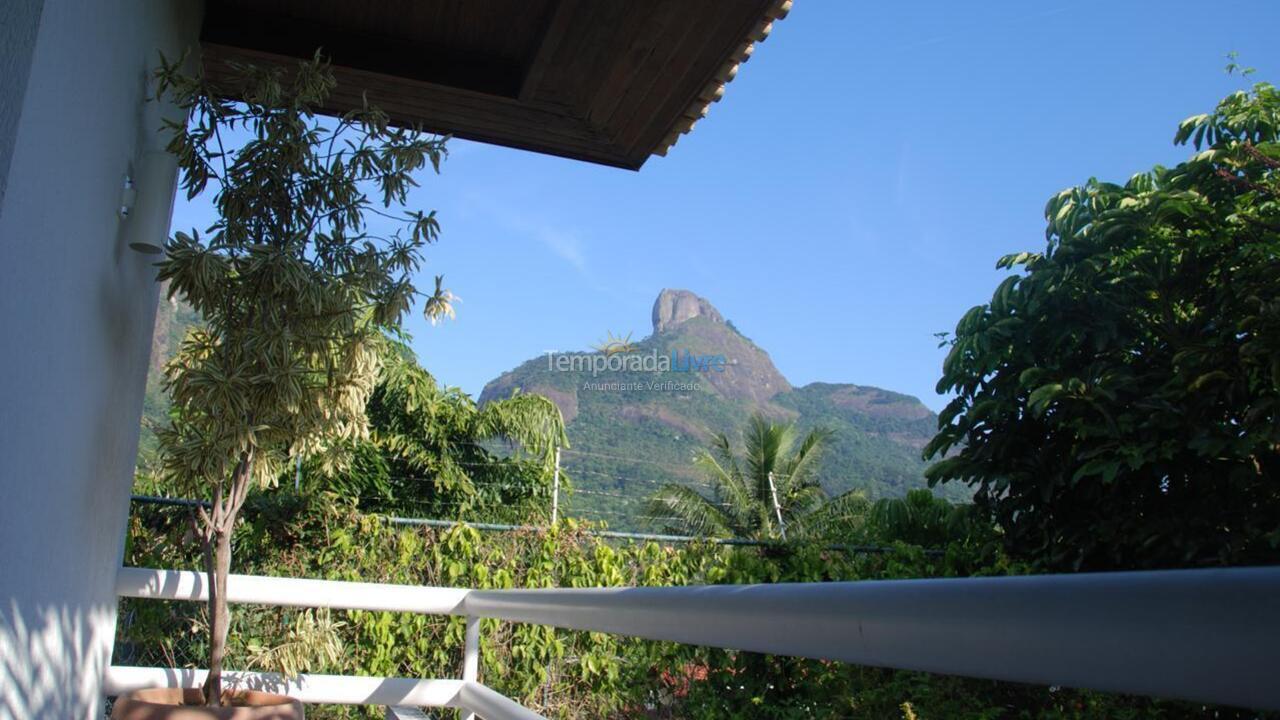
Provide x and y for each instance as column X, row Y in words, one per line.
column 565, row 245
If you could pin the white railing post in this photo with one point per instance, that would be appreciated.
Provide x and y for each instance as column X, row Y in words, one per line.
column 471, row 657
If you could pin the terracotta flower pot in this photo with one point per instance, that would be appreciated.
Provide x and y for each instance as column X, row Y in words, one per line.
column 178, row 704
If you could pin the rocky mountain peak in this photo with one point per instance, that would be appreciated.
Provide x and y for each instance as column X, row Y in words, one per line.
column 676, row 306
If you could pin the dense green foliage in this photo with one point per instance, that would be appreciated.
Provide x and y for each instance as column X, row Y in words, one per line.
column 1117, row 402
column 433, row 453
column 769, row 492
column 570, row 674
column 922, row 519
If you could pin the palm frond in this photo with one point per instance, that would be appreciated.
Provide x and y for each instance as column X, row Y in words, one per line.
column 684, row 510
column 722, row 452
column 802, row 500
column 796, row 469
column 919, row 518
column 532, row 422
column 766, row 443
column 841, row 517
column 734, row 494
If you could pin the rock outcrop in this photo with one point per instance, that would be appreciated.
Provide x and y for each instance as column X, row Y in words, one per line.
column 676, row 306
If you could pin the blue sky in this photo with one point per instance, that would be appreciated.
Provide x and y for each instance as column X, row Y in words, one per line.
column 849, row 196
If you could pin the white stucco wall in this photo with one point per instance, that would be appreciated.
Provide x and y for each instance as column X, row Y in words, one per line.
column 76, row 313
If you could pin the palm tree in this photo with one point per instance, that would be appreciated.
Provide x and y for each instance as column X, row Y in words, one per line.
column 767, row 493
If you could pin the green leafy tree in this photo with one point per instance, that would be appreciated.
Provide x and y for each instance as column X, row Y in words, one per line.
column 295, row 291
column 445, row 457
column 768, row 493
column 1116, row 402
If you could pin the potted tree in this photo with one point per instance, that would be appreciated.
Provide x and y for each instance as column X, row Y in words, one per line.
column 298, row 291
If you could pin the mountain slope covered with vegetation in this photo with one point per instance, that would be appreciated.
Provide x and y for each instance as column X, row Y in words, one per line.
column 633, row 429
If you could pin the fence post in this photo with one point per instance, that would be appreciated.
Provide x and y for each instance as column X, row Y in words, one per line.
column 555, row 490
column 773, row 490
column 471, row 657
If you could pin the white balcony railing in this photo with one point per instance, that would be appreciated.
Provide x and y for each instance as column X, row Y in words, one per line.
column 1209, row 636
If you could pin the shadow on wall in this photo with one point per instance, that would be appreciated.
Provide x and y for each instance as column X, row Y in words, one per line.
column 51, row 660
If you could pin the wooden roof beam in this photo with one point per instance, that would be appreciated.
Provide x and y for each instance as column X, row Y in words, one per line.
column 557, row 22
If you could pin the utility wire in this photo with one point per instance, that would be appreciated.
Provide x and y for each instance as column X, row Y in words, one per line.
column 620, row 458
column 647, row 481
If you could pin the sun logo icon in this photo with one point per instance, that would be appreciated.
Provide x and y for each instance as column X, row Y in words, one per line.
column 615, row 344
